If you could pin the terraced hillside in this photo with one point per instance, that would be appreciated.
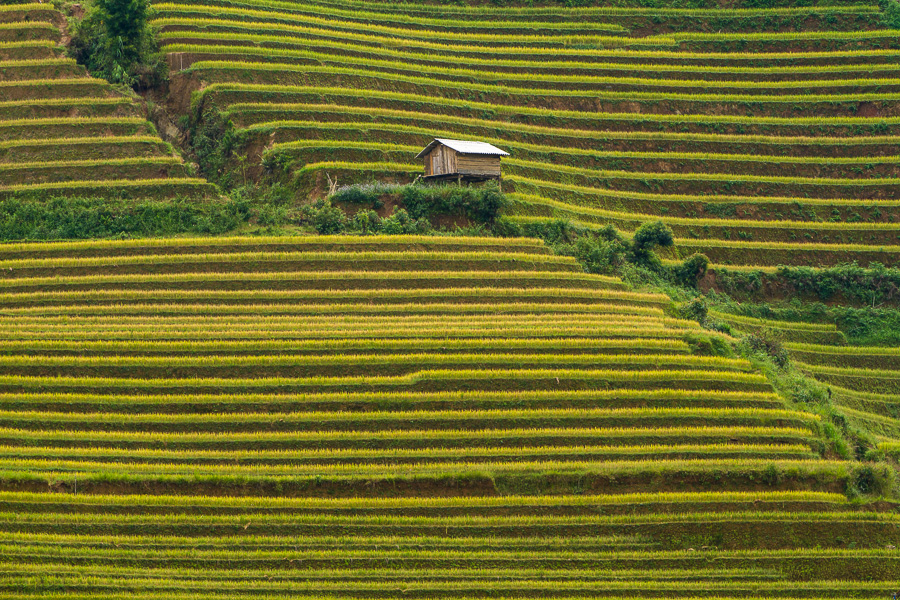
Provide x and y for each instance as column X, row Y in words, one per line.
column 446, row 416
column 863, row 381
column 761, row 136
column 398, row 416
column 64, row 133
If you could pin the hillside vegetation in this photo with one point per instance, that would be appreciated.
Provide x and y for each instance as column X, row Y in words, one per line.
column 535, row 391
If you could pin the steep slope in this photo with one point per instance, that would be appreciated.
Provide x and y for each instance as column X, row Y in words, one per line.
column 398, row 417
column 64, row 133
column 761, row 136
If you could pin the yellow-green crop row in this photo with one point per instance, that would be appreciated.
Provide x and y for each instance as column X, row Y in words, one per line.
column 236, row 110
column 559, row 170
column 299, row 503
column 112, row 183
column 843, row 350
column 695, row 36
column 326, row 553
column 408, row 59
column 504, row 57
column 29, row 25
column 144, row 586
column 325, row 278
column 27, row 44
column 343, row 308
column 425, row 375
column 393, row 574
column 424, row 100
column 636, row 82
column 518, row 95
column 75, row 120
column 325, row 321
column 542, row 323
column 851, row 371
column 38, row 62
column 666, row 176
column 242, row 324
column 617, row 327
column 62, row 164
column 320, row 421
column 383, row 360
column 597, row 345
column 46, row 83
column 442, row 295
column 376, row 128
column 341, row 471
column 360, row 257
column 376, row 10
column 343, row 18
column 104, row 100
column 84, row 141
column 827, row 327
column 401, row 398
column 23, row 6
column 377, row 241
column 415, row 438
column 524, row 428
column 626, row 195
column 635, row 219
column 251, row 19
column 109, row 574
column 402, row 456
column 570, row 15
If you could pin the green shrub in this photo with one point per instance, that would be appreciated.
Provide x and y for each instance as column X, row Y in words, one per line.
column 401, row 223
column 646, row 239
column 478, row 204
column 366, row 222
column 891, row 15
column 688, row 273
column 329, row 220
column 598, row 255
column 650, row 235
column 694, row 310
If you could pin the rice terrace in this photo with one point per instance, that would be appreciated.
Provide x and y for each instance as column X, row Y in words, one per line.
column 449, row 300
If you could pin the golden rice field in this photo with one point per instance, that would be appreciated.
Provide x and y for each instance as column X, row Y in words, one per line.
column 450, row 417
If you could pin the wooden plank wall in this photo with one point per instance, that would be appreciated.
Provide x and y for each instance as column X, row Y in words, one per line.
column 473, row 164
column 446, row 161
column 440, row 161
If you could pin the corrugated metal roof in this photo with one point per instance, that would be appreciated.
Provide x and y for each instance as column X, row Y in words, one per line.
column 464, row 147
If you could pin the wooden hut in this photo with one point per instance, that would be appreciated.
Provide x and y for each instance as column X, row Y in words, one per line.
column 461, row 161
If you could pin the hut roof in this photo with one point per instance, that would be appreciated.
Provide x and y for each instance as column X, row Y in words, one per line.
column 464, row 147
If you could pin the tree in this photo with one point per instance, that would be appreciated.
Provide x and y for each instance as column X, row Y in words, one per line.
column 114, row 41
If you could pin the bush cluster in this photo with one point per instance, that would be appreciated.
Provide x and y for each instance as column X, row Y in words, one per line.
column 328, row 219
column 606, row 251
column 477, row 204
column 86, row 218
column 872, row 285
